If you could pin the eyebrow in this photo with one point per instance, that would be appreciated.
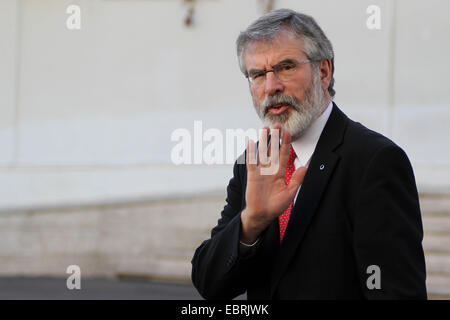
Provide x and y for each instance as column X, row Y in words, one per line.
column 285, row 61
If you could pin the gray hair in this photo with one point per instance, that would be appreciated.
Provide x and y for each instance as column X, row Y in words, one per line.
column 316, row 45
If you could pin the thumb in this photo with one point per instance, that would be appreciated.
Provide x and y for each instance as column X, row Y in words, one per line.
column 297, row 179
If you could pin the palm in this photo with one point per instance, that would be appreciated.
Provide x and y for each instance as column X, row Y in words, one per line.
column 268, row 195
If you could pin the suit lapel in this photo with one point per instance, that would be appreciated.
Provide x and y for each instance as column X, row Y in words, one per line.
column 321, row 167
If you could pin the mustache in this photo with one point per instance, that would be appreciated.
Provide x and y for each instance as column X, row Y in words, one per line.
column 277, row 99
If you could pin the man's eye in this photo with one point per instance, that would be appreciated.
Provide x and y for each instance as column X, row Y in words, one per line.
column 256, row 75
column 287, row 67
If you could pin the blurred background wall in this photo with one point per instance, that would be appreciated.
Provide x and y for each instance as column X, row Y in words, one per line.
column 86, row 118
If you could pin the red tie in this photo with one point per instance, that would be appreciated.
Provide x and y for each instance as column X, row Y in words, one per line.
column 284, row 218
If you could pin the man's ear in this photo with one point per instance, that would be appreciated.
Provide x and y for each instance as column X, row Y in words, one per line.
column 325, row 73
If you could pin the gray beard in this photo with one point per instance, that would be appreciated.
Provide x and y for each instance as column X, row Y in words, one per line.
column 302, row 115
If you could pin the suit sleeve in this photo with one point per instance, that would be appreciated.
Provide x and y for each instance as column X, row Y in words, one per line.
column 218, row 271
column 388, row 229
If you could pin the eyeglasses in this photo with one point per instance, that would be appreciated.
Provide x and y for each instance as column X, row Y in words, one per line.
column 283, row 71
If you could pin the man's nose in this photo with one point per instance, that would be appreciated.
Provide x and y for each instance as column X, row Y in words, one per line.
column 273, row 84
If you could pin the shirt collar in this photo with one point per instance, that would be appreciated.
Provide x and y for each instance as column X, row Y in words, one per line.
column 305, row 145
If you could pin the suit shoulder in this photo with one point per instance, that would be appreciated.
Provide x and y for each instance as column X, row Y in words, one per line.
column 362, row 145
column 363, row 140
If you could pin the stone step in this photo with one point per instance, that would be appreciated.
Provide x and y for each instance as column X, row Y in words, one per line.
column 435, row 205
column 436, row 224
column 438, row 275
column 436, row 243
column 438, row 293
column 439, row 280
column 437, row 264
column 438, row 286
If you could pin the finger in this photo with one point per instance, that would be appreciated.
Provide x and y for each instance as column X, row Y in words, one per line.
column 251, row 155
column 262, row 147
column 296, row 180
column 277, row 126
column 284, row 151
column 274, row 145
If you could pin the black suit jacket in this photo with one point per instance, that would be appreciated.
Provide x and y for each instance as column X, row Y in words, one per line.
column 358, row 206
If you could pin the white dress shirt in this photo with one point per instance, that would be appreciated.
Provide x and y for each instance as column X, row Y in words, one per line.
column 305, row 145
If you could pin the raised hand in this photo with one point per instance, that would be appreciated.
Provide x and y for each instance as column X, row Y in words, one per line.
column 267, row 195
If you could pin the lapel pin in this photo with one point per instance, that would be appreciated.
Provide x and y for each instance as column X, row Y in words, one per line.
column 322, row 167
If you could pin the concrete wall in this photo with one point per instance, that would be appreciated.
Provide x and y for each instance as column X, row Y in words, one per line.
column 86, row 115
column 145, row 239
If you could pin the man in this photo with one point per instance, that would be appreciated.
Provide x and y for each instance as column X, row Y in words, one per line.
column 340, row 218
